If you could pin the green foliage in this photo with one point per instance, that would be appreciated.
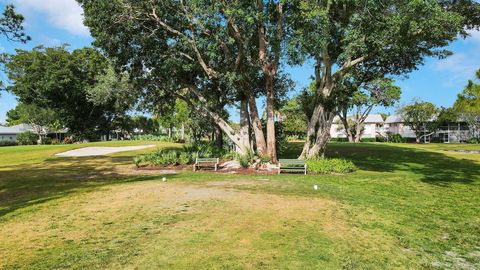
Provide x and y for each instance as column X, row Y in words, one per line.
column 326, row 166
column 77, row 85
column 474, row 141
column 150, row 137
column 11, row 25
column 339, row 140
column 38, row 117
column 184, row 156
column 8, row 143
column 27, row 138
column 396, row 138
column 244, row 161
column 467, row 105
column 265, row 159
column 369, row 140
column 295, row 121
column 419, row 116
column 204, row 149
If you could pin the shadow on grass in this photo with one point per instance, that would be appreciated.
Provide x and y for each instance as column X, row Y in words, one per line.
column 27, row 185
column 432, row 167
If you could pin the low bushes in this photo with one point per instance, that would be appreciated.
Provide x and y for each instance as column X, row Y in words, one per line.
column 184, row 156
column 325, row 166
column 396, row 138
column 150, row 137
column 7, row 143
column 27, row 138
column 474, row 140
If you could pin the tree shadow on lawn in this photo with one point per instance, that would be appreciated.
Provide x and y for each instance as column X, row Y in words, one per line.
column 432, row 167
column 57, row 177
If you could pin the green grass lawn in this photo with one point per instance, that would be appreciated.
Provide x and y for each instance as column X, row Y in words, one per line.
column 409, row 207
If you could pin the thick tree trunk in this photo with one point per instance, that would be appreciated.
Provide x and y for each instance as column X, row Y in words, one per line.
column 244, row 127
column 271, row 142
column 346, row 126
column 218, row 137
column 318, row 133
column 257, row 127
column 358, row 132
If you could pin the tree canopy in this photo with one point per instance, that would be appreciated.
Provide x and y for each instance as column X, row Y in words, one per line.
column 420, row 116
column 77, row 85
column 217, row 53
column 467, row 105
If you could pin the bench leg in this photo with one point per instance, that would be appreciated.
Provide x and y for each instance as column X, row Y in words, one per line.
column 194, row 167
column 216, row 167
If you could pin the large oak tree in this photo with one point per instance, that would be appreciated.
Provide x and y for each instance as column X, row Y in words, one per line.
column 384, row 37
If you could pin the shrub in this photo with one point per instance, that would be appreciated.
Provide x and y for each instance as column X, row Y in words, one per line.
column 138, row 160
column 244, row 160
column 368, row 140
column 47, row 141
column 380, row 139
column 186, row 155
column 184, row 158
column 339, row 139
column 27, row 138
column 204, row 150
column 230, row 155
column 473, row 140
column 265, row 159
column 7, row 143
column 68, row 140
column 396, row 138
column 169, row 158
column 325, row 166
column 150, row 137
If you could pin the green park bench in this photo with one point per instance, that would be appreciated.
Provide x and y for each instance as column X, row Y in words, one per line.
column 206, row 163
column 292, row 165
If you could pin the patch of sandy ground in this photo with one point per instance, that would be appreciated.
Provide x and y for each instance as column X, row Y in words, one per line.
column 101, row 151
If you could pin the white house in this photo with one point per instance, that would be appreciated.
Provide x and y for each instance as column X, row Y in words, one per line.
column 10, row 133
column 394, row 124
column 373, row 126
column 454, row 132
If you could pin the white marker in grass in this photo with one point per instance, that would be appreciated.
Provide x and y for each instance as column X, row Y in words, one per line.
column 164, row 179
column 315, row 187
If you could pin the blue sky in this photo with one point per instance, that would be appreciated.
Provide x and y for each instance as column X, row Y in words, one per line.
column 54, row 22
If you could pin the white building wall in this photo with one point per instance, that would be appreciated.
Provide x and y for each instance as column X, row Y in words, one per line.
column 8, row 137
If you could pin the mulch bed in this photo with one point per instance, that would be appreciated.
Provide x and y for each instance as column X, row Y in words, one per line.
column 184, row 168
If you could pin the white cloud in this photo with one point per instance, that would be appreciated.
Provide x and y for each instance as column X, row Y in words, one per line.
column 63, row 14
column 474, row 35
column 457, row 69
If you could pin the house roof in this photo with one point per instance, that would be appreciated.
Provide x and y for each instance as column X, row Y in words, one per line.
column 371, row 118
column 17, row 129
column 374, row 118
column 396, row 118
